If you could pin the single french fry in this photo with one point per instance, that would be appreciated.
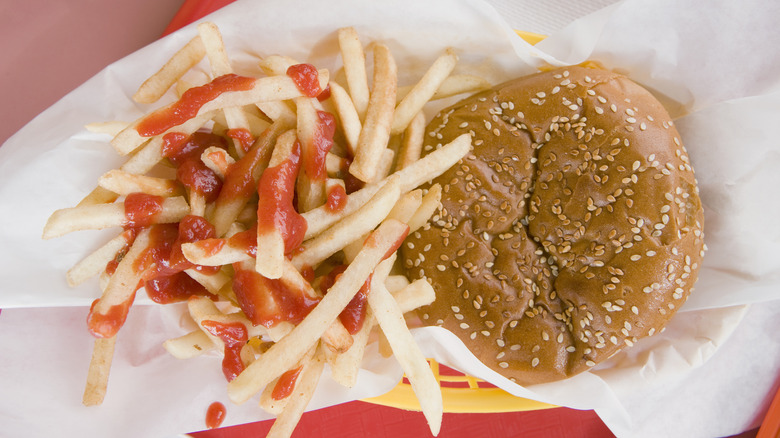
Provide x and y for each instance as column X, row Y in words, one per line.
column 344, row 367
column 99, row 369
column 213, row 252
column 285, row 353
column 100, row 216
column 310, row 191
column 379, row 116
column 111, row 128
column 270, row 258
column 405, row 349
column 385, row 165
column 98, row 195
column 183, row 60
column 422, row 92
column 120, row 290
column 428, row 206
column 425, row 169
column 407, row 205
column 212, row 282
column 334, row 165
column 190, row 345
column 271, row 88
column 276, row 64
column 218, row 160
column 285, row 423
column 412, row 142
column 354, row 60
column 350, row 228
column 453, row 85
column 220, row 65
column 348, row 115
column 396, row 282
column 214, row 48
column 96, row 262
column 276, row 110
column 124, row 183
column 201, row 309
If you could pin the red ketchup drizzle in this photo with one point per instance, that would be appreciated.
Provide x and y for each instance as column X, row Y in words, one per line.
column 276, row 193
column 215, row 415
column 306, row 78
column 141, row 209
column 184, row 152
column 243, row 136
column 354, row 314
column 234, row 335
column 351, row 183
column 267, row 301
column 325, row 94
column 245, row 240
column 190, row 103
column 314, row 158
column 106, row 325
column 337, row 198
column 164, row 264
column 196, row 176
column 286, row 383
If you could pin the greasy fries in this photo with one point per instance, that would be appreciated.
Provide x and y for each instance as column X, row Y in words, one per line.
column 273, row 219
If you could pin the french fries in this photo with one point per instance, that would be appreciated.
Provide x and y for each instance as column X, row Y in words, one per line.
column 275, row 235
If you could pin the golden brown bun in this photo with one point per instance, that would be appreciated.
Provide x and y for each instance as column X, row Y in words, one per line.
column 572, row 230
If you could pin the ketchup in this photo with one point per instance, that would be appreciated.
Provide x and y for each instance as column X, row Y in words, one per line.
column 163, row 263
column 286, row 383
column 351, row 182
column 178, row 147
column 234, row 335
column 314, row 158
column 198, row 177
column 190, row 103
column 106, row 325
column 215, row 415
column 184, row 153
column 337, row 198
column 276, row 193
column 268, row 301
column 141, row 209
column 306, row 78
column 243, row 136
column 354, row 314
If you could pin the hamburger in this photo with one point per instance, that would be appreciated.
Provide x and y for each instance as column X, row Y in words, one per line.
column 572, row 230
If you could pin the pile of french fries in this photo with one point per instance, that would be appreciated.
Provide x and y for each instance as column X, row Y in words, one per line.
column 378, row 141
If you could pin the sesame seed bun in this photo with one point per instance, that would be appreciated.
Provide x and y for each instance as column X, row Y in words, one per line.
column 572, row 230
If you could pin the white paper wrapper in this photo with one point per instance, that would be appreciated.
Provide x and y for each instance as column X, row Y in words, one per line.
column 716, row 69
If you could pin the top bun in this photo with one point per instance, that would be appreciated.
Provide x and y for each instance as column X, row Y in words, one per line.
column 572, row 230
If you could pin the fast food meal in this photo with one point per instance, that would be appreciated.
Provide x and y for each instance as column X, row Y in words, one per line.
column 273, row 205
column 548, row 221
column 572, row 230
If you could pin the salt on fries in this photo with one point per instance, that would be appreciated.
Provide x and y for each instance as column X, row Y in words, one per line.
column 274, row 219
